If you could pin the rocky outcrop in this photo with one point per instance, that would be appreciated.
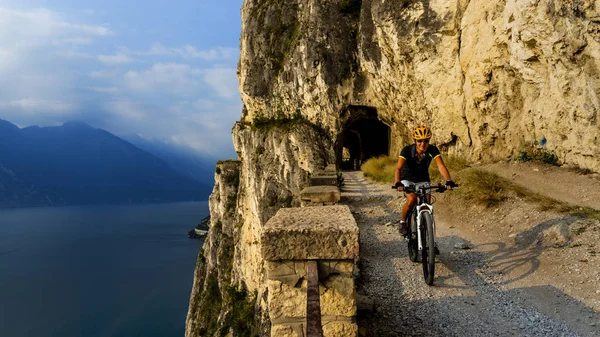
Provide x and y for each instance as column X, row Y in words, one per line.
column 277, row 157
column 492, row 78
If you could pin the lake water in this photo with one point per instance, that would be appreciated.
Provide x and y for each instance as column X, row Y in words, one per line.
column 97, row 270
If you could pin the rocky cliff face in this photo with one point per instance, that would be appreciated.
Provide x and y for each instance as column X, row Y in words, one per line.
column 277, row 157
column 491, row 78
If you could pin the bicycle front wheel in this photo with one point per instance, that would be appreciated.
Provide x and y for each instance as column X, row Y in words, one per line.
column 428, row 252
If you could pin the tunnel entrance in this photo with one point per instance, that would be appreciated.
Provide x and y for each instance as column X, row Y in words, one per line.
column 363, row 136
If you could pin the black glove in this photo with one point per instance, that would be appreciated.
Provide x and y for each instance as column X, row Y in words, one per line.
column 450, row 183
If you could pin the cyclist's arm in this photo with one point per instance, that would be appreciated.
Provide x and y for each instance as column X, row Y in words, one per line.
column 442, row 168
column 399, row 165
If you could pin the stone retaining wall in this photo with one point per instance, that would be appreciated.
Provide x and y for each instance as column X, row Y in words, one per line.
column 291, row 238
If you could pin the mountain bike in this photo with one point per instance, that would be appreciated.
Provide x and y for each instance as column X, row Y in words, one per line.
column 421, row 229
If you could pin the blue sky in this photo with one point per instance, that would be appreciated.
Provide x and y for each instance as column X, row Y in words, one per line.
column 160, row 69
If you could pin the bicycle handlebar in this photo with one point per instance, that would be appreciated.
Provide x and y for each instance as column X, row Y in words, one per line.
column 413, row 189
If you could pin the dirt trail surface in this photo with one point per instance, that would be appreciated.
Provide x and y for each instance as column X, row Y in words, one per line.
column 515, row 277
column 552, row 181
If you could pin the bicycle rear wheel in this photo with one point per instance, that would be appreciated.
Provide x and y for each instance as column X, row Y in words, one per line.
column 428, row 252
column 413, row 244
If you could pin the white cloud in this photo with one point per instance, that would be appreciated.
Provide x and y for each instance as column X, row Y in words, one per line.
column 104, row 74
column 127, row 109
column 188, row 52
column 105, row 90
column 223, row 81
column 71, row 54
column 77, row 41
column 205, row 105
column 116, row 59
column 38, row 54
column 35, row 105
column 165, row 77
column 35, row 26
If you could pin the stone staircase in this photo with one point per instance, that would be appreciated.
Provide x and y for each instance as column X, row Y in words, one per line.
column 310, row 253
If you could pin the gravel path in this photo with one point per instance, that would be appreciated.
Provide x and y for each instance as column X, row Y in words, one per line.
column 466, row 299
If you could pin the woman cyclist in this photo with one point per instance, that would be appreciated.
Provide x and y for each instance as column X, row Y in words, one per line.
column 413, row 169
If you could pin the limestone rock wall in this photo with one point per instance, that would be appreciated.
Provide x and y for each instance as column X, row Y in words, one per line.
column 490, row 77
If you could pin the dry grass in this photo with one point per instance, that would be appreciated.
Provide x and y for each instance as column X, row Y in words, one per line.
column 488, row 189
column 548, row 204
column 380, row 168
column 482, row 188
column 453, row 164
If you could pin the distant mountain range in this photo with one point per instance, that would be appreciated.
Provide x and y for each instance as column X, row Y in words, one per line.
column 183, row 160
column 77, row 164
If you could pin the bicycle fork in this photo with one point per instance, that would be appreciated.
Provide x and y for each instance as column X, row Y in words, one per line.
column 423, row 208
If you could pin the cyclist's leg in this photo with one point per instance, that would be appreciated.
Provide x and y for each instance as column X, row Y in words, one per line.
column 411, row 200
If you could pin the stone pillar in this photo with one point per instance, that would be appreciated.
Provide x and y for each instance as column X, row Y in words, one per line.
column 294, row 236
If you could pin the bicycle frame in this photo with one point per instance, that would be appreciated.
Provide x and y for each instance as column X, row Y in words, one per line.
column 423, row 207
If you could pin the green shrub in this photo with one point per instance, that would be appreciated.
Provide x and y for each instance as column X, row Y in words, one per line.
column 537, row 154
column 241, row 318
column 280, row 121
column 210, row 306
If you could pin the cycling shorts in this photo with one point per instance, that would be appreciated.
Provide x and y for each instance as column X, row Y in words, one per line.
column 422, row 183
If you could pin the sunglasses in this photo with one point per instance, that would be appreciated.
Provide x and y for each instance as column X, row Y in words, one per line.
column 422, row 140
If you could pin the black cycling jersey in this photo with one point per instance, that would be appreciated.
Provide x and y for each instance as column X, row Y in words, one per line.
column 414, row 169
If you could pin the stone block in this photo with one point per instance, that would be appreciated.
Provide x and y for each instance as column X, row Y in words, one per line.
column 324, row 180
column 340, row 329
column 288, row 272
column 287, row 330
column 286, row 302
column 338, row 297
column 320, row 194
column 329, row 170
column 341, row 267
column 311, row 233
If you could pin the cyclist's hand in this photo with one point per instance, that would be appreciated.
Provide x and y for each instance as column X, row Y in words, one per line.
column 399, row 187
column 450, row 184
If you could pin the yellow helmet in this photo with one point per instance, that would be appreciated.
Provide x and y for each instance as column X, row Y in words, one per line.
column 421, row 132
